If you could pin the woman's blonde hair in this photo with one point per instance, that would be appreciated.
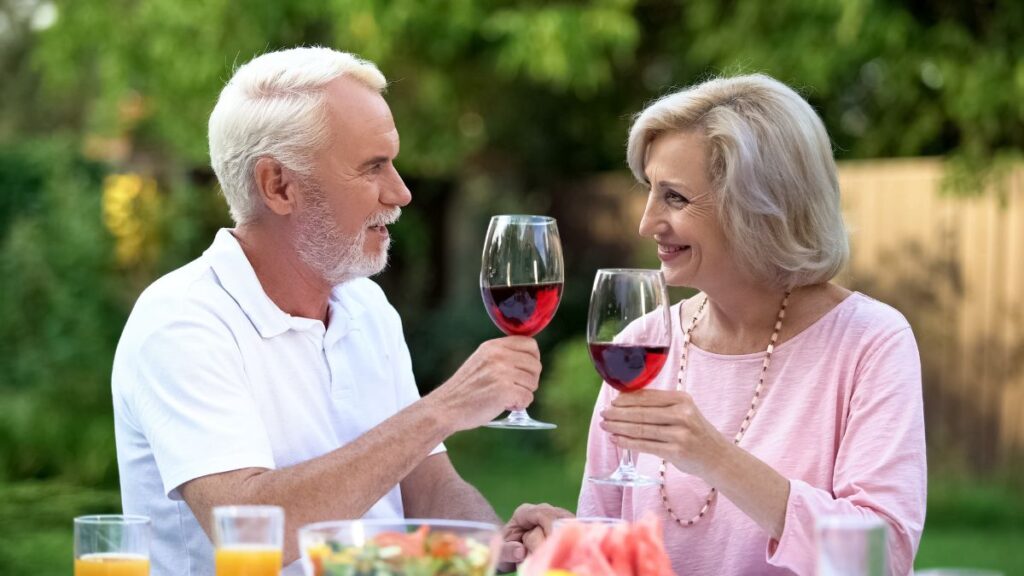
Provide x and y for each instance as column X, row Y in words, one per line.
column 771, row 165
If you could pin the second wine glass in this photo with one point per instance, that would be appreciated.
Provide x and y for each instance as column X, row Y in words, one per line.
column 628, row 333
column 521, row 283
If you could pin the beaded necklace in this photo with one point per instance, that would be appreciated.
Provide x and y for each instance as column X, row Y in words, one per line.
column 746, row 420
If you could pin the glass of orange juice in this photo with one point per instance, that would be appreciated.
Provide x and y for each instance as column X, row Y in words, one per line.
column 112, row 545
column 248, row 540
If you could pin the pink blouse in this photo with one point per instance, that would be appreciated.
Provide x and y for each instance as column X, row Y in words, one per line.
column 841, row 417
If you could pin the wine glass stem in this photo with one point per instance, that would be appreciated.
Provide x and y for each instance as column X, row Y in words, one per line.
column 626, row 465
column 517, row 416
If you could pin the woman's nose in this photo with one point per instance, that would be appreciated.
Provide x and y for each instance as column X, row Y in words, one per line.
column 652, row 220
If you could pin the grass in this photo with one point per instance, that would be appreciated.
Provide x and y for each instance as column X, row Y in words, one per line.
column 997, row 549
column 968, row 525
column 36, row 524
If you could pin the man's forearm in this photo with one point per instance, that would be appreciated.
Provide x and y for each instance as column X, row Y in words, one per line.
column 454, row 499
column 343, row 483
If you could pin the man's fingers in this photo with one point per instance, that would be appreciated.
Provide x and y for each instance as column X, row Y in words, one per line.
column 533, row 539
column 543, row 515
column 522, row 344
column 519, row 400
column 512, row 553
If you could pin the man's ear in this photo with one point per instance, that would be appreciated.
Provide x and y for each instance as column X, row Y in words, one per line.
column 276, row 186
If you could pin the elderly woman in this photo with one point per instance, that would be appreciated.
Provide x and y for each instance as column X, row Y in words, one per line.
column 786, row 397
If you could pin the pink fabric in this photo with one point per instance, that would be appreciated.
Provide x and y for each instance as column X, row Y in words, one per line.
column 842, row 418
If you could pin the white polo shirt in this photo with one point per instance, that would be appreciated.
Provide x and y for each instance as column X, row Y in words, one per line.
column 211, row 376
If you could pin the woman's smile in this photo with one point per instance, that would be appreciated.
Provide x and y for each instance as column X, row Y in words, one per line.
column 670, row 252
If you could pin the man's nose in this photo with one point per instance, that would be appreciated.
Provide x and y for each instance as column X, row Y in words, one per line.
column 396, row 192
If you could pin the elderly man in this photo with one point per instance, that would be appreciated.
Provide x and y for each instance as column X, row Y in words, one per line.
column 271, row 370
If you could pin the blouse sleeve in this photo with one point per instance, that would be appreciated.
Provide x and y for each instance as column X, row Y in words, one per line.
column 880, row 469
column 602, row 459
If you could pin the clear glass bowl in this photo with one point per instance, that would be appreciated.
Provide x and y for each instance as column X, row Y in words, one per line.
column 410, row 547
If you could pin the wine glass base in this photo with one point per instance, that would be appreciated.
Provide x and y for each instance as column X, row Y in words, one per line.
column 520, row 424
column 633, row 480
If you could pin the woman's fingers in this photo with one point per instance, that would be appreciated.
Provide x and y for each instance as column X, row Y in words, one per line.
column 654, row 416
column 651, row 398
column 652, row 447
column 638, row 430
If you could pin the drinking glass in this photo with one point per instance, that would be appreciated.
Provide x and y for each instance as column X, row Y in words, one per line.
column 600, row 520
column 851, row 546
column 248, row 540
column 628, row 333
column 112, row 544
column 521, row 283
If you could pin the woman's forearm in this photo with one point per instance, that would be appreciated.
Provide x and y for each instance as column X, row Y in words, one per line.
column 753, row 486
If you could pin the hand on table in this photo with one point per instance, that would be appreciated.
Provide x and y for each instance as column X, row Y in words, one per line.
column 526, row 531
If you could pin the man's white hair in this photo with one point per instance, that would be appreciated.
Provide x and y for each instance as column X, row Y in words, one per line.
column 275, row 106
column 770, row 162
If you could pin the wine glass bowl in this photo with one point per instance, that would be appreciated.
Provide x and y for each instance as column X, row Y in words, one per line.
column 521, row 276
column 628, row 336
column 522, row 310
column 628, row 368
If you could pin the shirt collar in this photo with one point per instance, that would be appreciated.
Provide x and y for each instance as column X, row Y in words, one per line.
column 344, row 310
column 236, row 275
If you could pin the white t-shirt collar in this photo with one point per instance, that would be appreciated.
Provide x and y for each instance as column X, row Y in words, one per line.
column 236, row 275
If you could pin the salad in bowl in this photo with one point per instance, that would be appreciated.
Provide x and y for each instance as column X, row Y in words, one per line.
column 409, row 547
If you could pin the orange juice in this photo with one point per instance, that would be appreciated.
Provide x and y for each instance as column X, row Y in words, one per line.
column 111, row 565
column 248, row 561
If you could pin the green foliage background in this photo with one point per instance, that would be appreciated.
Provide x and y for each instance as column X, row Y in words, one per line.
column 502, row 106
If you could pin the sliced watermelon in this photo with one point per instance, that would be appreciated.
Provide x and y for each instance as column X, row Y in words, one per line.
column 636, row 549
column 587, row 557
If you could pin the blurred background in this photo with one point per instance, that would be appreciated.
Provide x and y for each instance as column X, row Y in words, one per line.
column 508, row 107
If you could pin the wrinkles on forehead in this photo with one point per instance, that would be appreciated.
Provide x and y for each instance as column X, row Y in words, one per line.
column 362, row 129
column 678, row 162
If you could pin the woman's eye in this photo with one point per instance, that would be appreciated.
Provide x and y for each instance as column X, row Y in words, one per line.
column 675, row 199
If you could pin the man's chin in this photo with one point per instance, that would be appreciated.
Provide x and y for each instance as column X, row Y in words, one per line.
column 364, row 269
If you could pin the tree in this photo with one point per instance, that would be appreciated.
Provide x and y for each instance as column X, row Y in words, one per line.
column 501, row 106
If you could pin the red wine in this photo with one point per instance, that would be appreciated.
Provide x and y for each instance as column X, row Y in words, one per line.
column 628, row 368
column 522, row 309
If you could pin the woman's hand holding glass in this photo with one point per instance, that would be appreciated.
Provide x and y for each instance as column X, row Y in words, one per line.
column 628, row 333
column 666, row 424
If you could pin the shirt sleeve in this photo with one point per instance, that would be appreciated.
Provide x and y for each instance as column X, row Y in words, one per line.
column 880, row 469
column 602, row 459
column 192, row 401
column 405, row 380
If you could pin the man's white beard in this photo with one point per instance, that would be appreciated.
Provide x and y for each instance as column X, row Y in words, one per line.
column 338, row 257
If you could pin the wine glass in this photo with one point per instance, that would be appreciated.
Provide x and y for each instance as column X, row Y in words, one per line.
column 521, row 283
column 628, row 333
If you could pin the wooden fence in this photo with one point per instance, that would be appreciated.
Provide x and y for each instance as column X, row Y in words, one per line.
column 954, row 265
